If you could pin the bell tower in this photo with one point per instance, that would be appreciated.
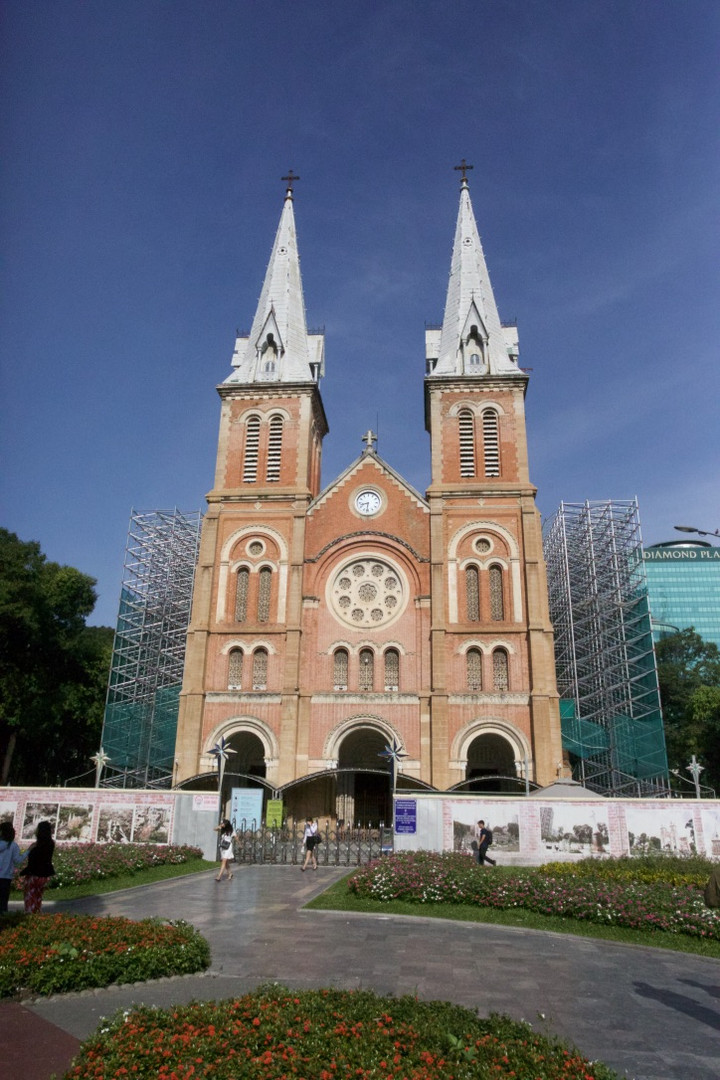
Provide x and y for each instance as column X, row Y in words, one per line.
column 494, row 698
column 245, row 630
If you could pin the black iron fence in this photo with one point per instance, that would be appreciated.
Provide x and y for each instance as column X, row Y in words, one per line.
column 339, row 845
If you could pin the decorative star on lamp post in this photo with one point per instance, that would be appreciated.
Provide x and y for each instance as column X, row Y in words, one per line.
column 220, row 751
column 100, row 760
column 393, row 753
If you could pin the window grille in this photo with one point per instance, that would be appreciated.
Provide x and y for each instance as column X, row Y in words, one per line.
column 252, row 443
column 260, row 666
column 340, row 669
column 274, row 448
column 392, row 669
column 497, row 604
column 241, row 594
column 466, row 425
column 367, row 670
column 474, row 669
column 472, row 593
column 235, row 667
column 500, row 670
column 491, row 442
column 264, row 587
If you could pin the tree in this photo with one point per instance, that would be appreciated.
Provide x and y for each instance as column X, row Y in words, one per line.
column 53, row 668
column 689, row 678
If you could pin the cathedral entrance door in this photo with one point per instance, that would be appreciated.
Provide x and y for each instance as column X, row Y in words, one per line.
column 364, row 796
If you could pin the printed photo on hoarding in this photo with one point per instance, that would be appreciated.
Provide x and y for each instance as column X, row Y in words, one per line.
column 151, row 825
column 652, row 829
column 7, row 811
column 503, row 823
column 74, row 823
column 573, row 831
column 36, row 812
column 115, row 824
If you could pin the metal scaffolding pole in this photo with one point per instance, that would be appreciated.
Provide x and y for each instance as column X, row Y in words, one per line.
column 605, row 659
column 149, row 648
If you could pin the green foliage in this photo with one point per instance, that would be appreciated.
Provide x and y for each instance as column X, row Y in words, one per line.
column 689, row 679
column 53, row 668
column 77, row 864
column 275, row 1033
column 691, row 870
column 426, row 877
column 52, row 954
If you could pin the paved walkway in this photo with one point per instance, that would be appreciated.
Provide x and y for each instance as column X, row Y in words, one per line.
column 649, row 1013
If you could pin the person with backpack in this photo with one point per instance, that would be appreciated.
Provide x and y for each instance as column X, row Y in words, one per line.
column 484, row 838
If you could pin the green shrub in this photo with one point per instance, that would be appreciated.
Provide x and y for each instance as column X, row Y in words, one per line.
column 76, row 864
column 651, row 869
column 275, row 1033
column 50, row 954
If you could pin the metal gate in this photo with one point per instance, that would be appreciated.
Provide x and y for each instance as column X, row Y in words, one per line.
column 284, row 846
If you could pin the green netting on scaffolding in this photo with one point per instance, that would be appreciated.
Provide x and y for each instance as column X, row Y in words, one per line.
column 149, row 649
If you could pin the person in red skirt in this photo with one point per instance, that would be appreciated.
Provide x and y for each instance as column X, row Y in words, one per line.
column 39, row 867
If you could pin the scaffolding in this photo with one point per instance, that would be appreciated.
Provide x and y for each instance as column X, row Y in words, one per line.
column 610, row 710
column 143, row 697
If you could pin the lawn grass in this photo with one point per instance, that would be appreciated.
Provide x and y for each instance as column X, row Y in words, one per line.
column 123, row 881
column 339, row 898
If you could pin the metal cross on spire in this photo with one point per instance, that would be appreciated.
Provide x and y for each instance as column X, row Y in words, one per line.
column 463, row 167
column 369, row 438
column 290, row 180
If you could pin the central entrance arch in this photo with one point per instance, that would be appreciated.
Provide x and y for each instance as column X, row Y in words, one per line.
column 364, row 787
column 490, row 761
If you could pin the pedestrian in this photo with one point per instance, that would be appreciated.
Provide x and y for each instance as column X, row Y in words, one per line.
column 484, row 838
column 39, row 868
column 227, row 854
column 311, row 841
column 712, row 889
column 10, row 857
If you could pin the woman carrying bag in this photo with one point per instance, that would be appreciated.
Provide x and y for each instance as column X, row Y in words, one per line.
column 311, row 841
column 226, row 849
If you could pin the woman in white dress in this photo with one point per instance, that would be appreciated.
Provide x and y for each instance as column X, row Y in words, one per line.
column 226, row 849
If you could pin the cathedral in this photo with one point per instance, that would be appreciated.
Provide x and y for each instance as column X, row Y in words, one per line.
column 332, row 623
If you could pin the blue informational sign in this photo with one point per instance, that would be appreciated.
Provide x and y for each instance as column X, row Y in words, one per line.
column 405, row 815
column 246, row 806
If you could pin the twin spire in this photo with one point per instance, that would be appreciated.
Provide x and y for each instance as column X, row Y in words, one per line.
column 472, row 340
column 279, row 348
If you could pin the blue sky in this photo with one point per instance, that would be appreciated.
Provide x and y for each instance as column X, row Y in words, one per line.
column 143, row 147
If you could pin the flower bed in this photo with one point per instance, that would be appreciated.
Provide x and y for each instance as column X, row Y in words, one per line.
column 275, row 1034
column 76, row 864
column 49, row 954
column 428, row 877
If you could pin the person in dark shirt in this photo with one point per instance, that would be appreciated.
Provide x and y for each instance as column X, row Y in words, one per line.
column 39, row 867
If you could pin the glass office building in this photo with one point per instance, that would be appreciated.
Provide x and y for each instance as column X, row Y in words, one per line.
column 683, row 580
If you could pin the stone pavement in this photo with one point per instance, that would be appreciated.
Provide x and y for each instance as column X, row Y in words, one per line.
column 649, row 1013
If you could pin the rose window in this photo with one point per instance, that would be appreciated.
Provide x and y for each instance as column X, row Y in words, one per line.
column 369, row 592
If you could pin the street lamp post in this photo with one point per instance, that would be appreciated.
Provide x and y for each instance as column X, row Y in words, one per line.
column 695, row 768
column 692, row 529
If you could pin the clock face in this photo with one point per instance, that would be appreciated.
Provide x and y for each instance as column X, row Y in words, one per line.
column 368, row 502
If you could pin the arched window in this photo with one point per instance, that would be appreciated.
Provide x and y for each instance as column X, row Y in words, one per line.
column 366, row 678
column 264, row 589
column 500, row 670
column 497, row 604
column 466, row 427
column 274, row 449
column 235, row 666
column 472, row 594
column 340, row 669
column 260, row 667
column 252, row 443
column 491, row 442
column 392, row 669
column 241, row 594
column 473, row 660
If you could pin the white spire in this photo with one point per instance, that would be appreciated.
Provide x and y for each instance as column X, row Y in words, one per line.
column 472, row 340
column 279, row 348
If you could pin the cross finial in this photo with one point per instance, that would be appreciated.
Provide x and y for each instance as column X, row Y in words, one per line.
column 369, row 438
column 290, row 180
column 463, row 167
